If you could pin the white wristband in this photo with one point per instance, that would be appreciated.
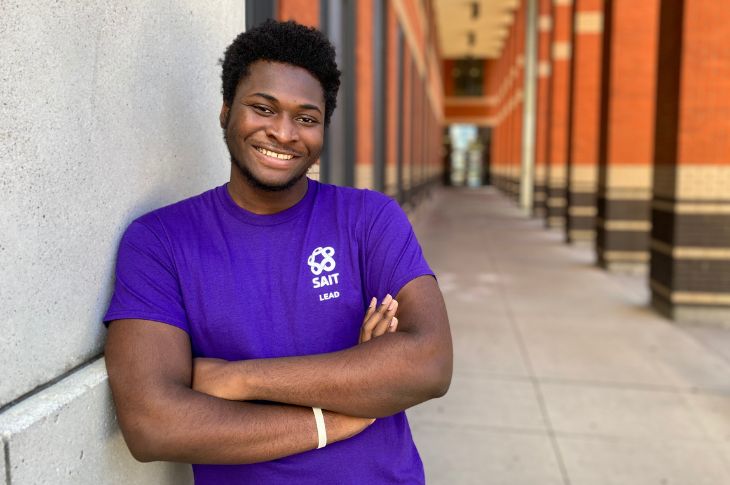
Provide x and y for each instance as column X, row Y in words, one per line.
column 321, row 430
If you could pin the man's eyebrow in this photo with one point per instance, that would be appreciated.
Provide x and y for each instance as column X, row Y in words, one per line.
column 274, row 100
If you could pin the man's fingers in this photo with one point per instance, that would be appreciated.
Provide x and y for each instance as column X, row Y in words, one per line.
column 371, row 309
column 376, row 318
column 378, row 311
column 382, row 326
column 369, row 313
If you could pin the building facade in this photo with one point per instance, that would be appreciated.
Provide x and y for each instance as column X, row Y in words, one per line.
column 630, row 154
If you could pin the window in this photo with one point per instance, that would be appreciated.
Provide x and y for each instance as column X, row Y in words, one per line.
column 468, row 76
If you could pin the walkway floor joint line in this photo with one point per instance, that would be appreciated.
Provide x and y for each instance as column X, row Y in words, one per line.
column 535, row 383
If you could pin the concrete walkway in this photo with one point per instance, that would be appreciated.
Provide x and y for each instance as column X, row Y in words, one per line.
column 562, row 374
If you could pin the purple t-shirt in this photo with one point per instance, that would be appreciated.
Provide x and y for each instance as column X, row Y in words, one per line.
column 248, row 286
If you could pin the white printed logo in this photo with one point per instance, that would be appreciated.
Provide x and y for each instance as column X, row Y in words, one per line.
column 320, row 260
column 327, row 262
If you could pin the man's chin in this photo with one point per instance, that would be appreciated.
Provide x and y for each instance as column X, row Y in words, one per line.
column 270, row 185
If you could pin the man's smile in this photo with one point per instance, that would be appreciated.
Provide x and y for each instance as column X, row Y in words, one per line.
column 271, row 153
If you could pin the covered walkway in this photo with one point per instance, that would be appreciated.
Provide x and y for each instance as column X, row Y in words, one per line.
column 562, row 373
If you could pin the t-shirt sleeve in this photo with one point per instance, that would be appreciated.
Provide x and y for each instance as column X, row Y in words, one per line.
column 146, row 284
column 393, row 256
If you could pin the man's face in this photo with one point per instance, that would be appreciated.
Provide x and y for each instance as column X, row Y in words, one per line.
column 274, row 128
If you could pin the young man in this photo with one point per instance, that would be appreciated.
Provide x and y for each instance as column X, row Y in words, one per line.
column 239, row 313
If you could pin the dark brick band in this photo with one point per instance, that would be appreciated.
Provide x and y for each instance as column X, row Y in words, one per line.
column 624, row 241
column 539, row 199
column 693, row 275
column 619, row 246
column 623, row 209
column 581, row 219
column 696, row 230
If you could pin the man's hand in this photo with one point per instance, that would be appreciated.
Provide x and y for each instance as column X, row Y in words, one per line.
column 379, row 319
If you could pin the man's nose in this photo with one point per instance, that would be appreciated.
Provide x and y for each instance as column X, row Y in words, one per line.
column 283, row 129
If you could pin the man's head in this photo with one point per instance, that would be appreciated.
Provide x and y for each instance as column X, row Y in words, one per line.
column 287, row 43
column 280, row 83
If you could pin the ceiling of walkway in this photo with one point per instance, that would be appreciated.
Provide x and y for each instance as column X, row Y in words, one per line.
column 474, row 28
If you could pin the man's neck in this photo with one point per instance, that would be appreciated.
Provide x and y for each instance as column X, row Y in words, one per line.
column 261, row 201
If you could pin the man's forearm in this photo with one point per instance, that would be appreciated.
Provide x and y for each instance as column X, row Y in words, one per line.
column 190, row 427
column 162, row 418
column 377, row 378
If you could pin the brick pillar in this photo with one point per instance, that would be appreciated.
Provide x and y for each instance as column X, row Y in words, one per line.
column 518, row 32
column 504, row 116
column 364, row 95
column 510, row 114
column 503, row 136
column 560, row 58
column 542, row 128
column 507, row 103
column 627, row 134
column 417, row 138
column 584, row 120
column 496, row 84
column 303, row 11
column 393, row 102
column 690, row 237
column 407, row 121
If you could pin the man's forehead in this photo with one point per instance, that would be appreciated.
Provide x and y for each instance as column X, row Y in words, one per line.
column 274, row 76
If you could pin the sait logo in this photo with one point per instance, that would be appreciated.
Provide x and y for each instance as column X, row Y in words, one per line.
column 322, row 260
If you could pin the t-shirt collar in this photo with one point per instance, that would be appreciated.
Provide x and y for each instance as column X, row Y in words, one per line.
column 267, row 219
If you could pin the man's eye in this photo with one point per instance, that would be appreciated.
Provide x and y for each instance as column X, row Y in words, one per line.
column 307, row 120
column 261, row 109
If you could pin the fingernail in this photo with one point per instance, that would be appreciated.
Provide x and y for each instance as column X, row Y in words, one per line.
column 373, row 302
column 394, row 322
column 392, row 305
column 387, row 298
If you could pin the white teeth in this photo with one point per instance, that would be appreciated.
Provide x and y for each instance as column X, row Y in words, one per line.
column 280, row 156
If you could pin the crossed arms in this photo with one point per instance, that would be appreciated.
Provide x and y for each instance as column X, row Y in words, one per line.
column 169, row 411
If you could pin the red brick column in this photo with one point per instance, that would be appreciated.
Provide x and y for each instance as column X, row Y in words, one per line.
column 690, row 237
column 561, row 53
column 503, row 116
column 364, row 95
column 303, row 11
column 407, row 118
column 506, row 116
column 542, row 129
column 518, row 33
column 627, row 135
column 417, row 129
column 584, row 120
column 392, row 104
column 495, row 84
column 506, row 112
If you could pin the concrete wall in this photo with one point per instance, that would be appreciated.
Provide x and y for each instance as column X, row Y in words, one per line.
column 108, row 111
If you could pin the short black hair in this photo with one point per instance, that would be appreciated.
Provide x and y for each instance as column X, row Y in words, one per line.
column 286, row 42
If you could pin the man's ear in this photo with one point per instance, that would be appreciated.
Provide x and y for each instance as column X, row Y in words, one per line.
column 225, row 111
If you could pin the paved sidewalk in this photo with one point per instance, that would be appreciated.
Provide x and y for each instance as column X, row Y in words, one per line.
column 562, row 374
